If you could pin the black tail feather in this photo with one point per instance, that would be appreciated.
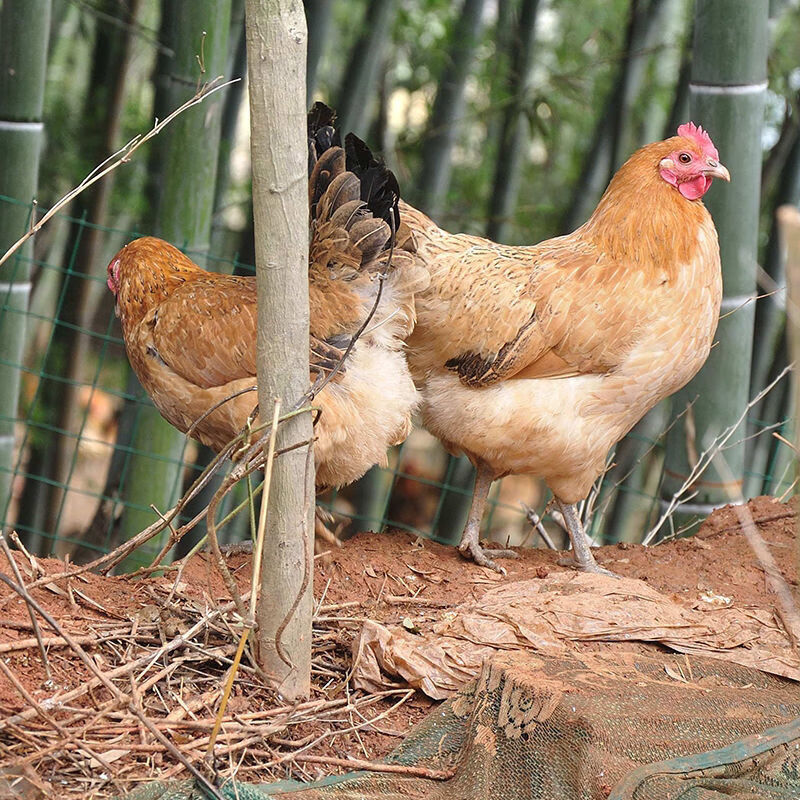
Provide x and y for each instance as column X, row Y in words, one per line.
column 379, row 187
column 321, row 133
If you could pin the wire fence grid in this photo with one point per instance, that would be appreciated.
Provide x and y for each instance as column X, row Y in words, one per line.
column 76, row 511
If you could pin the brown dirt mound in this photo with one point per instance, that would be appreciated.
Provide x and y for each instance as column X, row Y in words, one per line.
column 390, row 578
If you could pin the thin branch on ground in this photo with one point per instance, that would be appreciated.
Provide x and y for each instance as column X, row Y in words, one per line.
column 122, row 156
column 120, row 697
column 377, row 766
column 538, row 525
column 786, row 608
column 53, row 723
column 34, row 624
column 704, row 460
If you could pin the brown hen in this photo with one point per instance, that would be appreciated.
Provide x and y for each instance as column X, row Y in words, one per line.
column 539, row 359
column 190, row 334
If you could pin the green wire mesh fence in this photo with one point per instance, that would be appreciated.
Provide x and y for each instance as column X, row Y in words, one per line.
column 70, row 480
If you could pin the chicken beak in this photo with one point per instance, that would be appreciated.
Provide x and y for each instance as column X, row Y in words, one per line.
column 717, row 170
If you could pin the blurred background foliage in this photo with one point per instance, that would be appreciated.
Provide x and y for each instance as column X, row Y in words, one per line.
column 504, row 117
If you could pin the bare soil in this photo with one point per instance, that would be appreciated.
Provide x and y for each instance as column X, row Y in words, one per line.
column 384, row 577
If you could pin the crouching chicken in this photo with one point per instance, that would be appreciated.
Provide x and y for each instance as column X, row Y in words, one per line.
column 540, row 359
column 190, row 335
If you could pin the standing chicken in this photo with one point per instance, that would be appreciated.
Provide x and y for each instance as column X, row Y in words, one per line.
column 190, row 334
column 539, row 359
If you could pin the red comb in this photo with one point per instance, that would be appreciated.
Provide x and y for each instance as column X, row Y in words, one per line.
column 700, row 137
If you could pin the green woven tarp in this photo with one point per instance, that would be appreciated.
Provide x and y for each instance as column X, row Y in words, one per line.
column 618, row 725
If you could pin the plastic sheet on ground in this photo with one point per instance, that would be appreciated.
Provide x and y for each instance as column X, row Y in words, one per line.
column 546, row 615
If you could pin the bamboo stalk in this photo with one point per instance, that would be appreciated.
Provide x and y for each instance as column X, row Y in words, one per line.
column 648, row 30
column 727, row 90
column 514, row 51
column 504, row 32
column 103, row 111
column 513, row 138
column 198, row 34
column 448, row 110
column 599, row 162
column 24, row 28
column 318, row 18
column 363, row 67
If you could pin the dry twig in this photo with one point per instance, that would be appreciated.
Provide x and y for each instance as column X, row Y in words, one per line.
column 119, row 696
column 34, row 624
column 122, row 156
column 704, row 459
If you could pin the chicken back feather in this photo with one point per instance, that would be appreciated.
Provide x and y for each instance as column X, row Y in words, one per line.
column 539, row 359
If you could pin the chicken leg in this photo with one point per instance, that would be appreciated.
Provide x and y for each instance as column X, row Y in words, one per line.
column 581, row 552
column 470, row 545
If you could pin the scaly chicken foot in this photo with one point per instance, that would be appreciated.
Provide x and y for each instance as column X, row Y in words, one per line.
column 582, row 553
column 470, row 545
column 324, row 537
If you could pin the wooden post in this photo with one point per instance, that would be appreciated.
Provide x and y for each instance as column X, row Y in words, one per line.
column 788, row 218
column 276, row 58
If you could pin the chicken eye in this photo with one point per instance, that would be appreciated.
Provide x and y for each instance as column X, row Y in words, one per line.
column 684, row 158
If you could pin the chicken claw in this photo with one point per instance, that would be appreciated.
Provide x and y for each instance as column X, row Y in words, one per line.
column 471, row 548
column 593, row 566
column 470, row 545
column 582, row 554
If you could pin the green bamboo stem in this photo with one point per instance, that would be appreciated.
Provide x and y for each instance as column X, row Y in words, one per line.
column 664, row 51
column 361, row 77
column 504, row 33
column 633, row 462
column 223, row 240
column 371, row 494
column 318, row 18
column 513, row 139
column 454, row 505
column 223, row 246
column 679, row 112
column 363, row 67
column 24, row 29
column 598, row 165
column 103, row 111
column 513, row 54
column 448, row 110
column 184, row 206
column 727, row 90
column 648, row 31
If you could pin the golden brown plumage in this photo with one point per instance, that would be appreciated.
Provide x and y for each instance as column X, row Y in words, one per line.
column 539, row 359
column 190, row 334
